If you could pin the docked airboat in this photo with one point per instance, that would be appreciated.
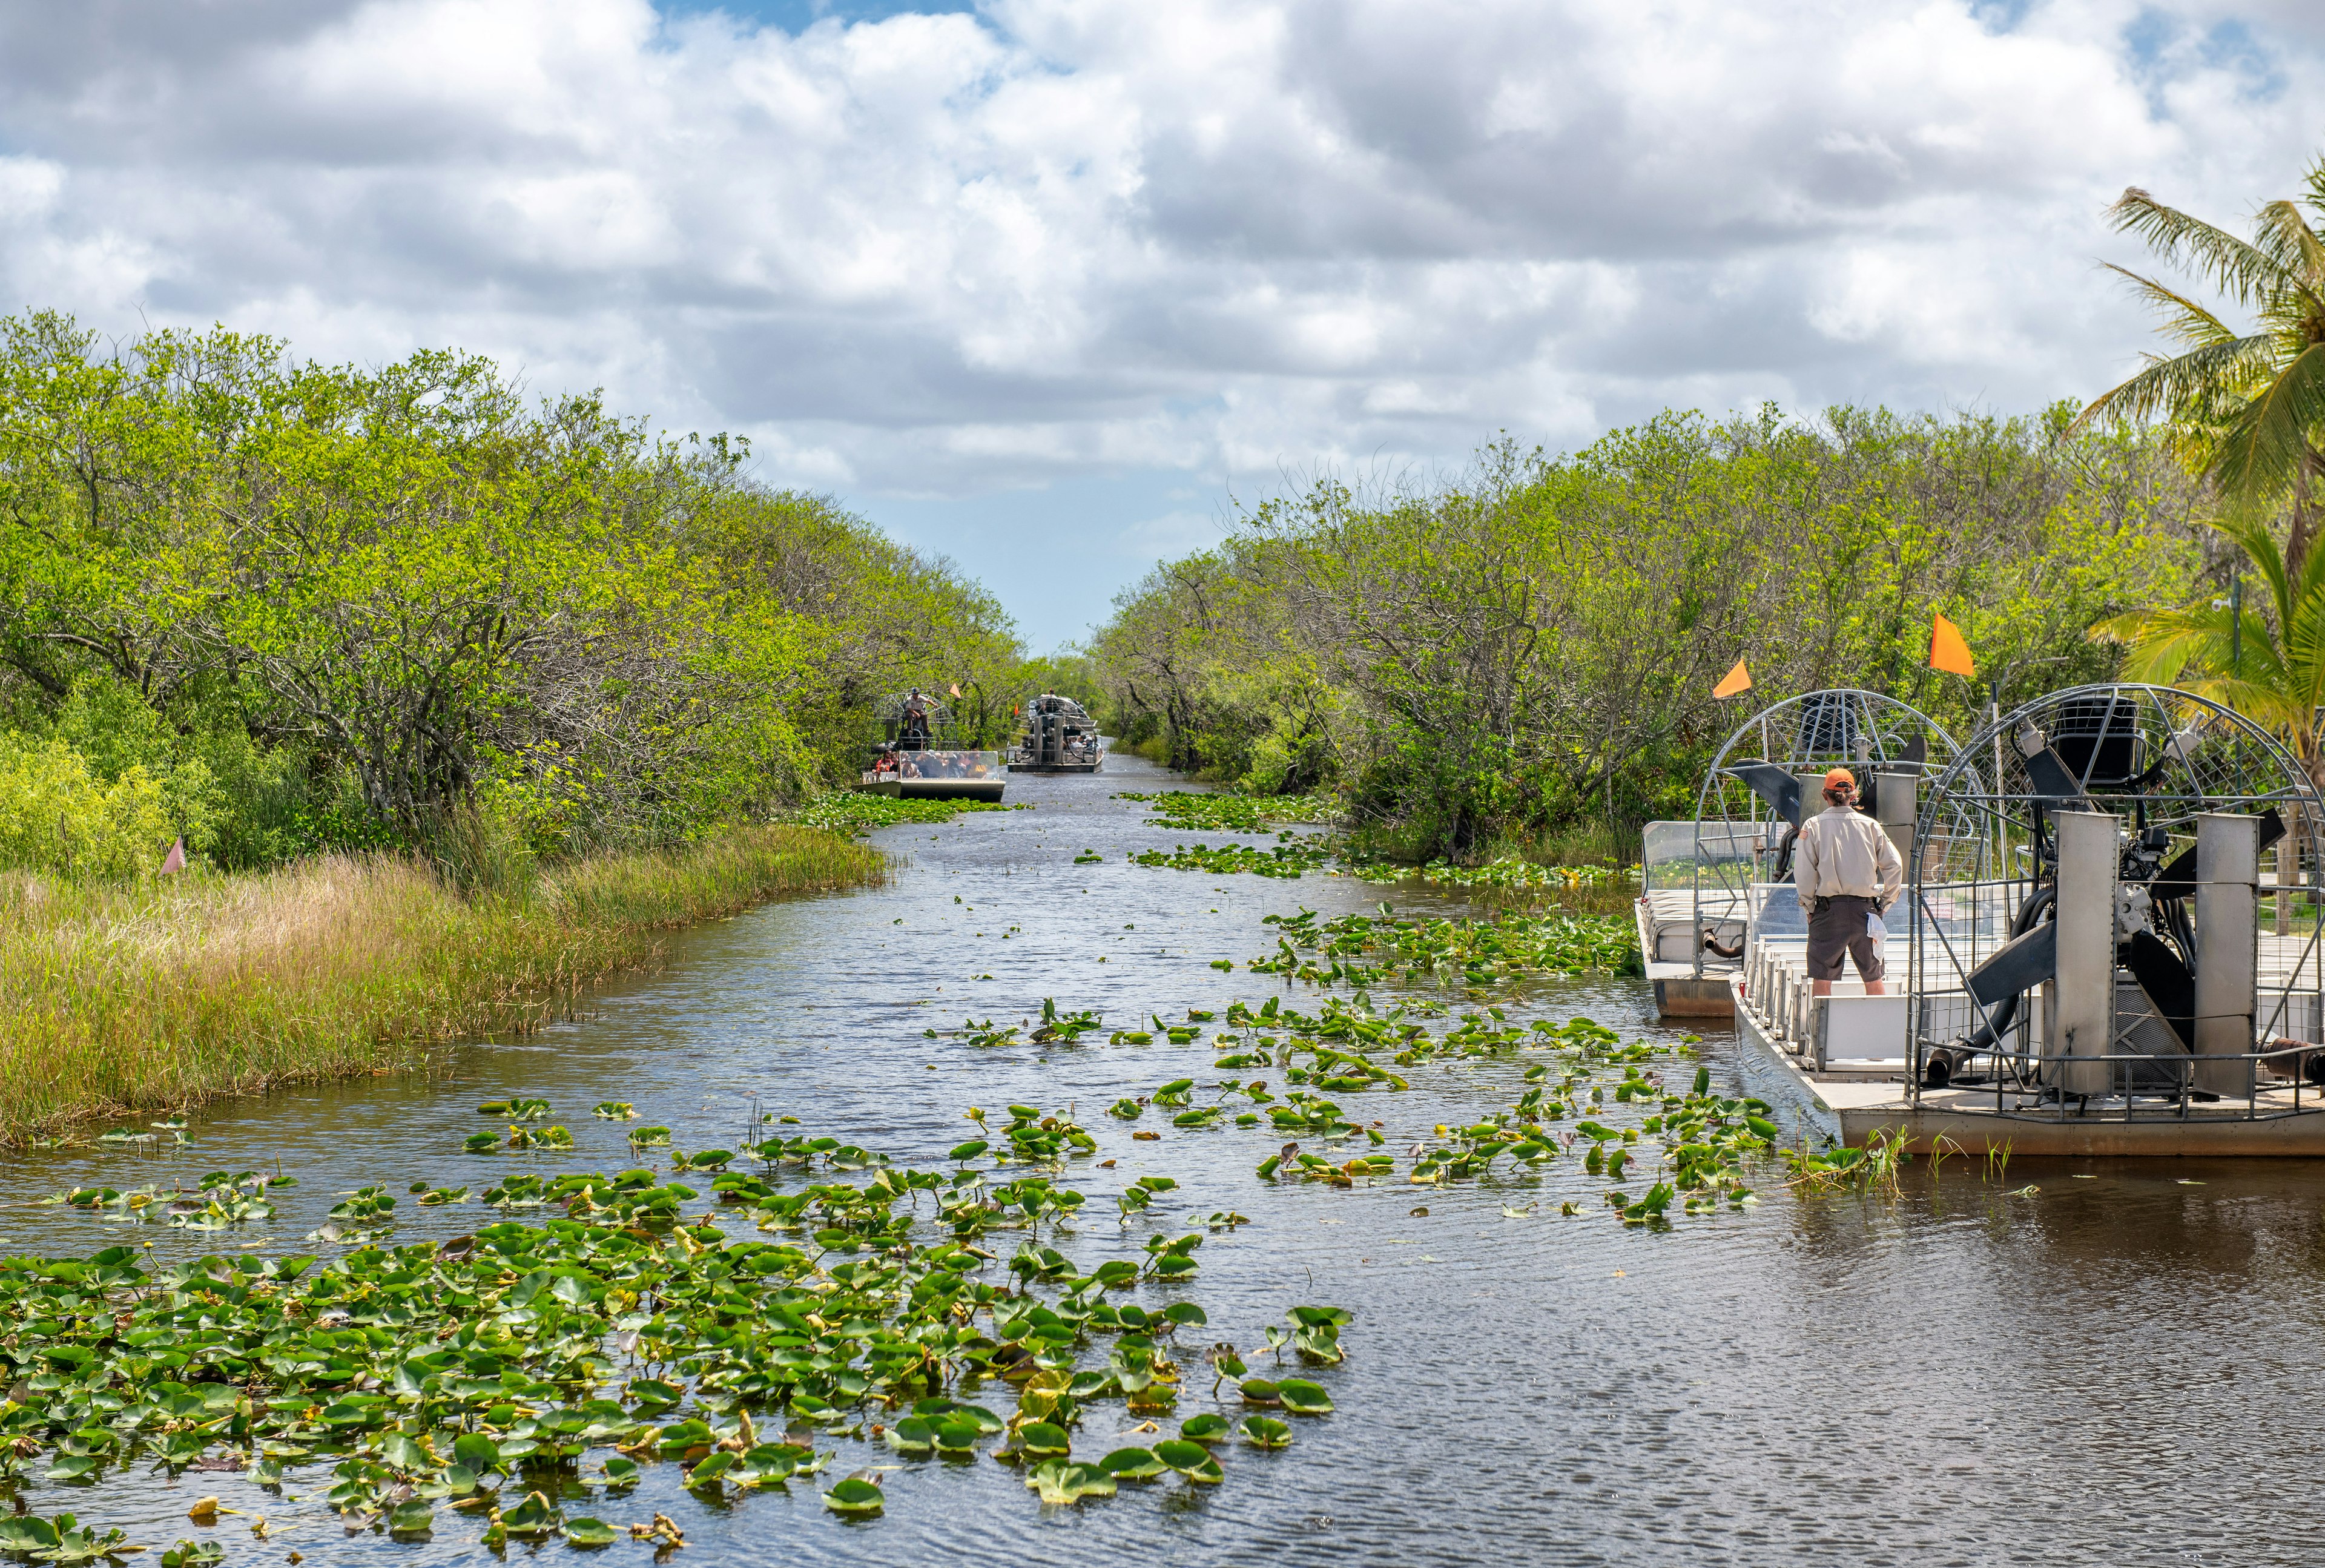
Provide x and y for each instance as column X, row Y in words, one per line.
column 2108, row 947
column 1702, row 883
column 1059, row 736
column 920, row 755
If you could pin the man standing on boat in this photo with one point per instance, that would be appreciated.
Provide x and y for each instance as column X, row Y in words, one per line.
column 1848, row 873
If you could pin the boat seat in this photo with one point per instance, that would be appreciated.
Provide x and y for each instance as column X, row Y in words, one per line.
column 1855, row 1033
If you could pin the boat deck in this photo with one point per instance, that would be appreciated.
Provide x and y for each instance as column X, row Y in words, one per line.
column 1668, row 938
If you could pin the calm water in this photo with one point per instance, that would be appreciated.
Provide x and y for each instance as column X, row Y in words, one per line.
column 2117, row 1368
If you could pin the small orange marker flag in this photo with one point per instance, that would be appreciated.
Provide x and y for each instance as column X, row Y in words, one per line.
column 175, row 861
column 956, row 688
column 1947, row 652
column 1738, row 678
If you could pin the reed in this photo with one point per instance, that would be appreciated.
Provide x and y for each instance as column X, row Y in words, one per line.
column 119, row 999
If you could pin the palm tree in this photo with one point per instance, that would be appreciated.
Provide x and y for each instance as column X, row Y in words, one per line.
column 2245, row 410
column 2269, row 666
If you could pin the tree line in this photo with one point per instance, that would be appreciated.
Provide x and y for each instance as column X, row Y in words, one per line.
column 1526, row 653
column 278, row 606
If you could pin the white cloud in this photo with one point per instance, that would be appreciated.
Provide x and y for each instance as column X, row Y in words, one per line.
column 938, row 253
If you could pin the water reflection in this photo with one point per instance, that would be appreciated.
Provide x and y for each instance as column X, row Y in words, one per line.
column 2101, row 1369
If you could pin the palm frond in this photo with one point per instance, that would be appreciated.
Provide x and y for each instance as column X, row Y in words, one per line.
column 2185, row 320
column 2243, row 272
column 2188, row 382
column 2265, row 440
column 2284, row 235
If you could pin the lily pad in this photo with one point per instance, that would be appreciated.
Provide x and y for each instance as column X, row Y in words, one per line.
column 1042, row 1439
column 855, row 1499
column 1133, row 1464
column 1265, row 1432
column 586, row 1531
column 1061, row 1481
column 412, row 1517
column 1302, row 1397
column 1208, row 1427
column 532, row 1519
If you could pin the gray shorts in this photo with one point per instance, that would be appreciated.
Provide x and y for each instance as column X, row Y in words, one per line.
column 1838, row 927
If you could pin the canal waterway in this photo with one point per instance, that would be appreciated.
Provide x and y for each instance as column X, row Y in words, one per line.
column 2108, row 1363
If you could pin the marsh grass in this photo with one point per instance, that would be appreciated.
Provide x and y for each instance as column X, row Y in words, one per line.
column 127, row 998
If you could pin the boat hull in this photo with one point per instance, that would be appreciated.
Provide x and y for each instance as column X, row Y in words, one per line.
column 938, row 789
column 1680, row 991
column 1853, row 1111
column 1054, row 767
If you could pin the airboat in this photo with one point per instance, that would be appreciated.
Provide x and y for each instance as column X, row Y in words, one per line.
column 1059, row 737
column 1700, row 880
column 2108, row 950
column 920, row 755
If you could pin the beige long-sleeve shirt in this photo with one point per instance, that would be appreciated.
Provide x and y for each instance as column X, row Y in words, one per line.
column 1843, row 852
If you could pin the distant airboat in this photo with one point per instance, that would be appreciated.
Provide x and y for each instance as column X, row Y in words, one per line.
column 920, row 757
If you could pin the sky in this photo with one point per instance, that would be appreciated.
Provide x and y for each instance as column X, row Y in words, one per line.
column 1053, row 286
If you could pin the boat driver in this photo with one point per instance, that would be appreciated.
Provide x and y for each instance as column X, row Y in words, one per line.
column 1847, row 874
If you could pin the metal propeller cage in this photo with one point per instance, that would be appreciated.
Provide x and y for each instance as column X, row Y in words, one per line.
column 1737, row 838
column 2158, row 758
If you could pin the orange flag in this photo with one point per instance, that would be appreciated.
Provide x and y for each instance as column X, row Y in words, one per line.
column 1947, row 652
column 175, row 861
column 1738, row 678
column 956, row 688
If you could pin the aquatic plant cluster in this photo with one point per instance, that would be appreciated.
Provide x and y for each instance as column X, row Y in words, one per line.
column 1477, row 954
column 479, row 1373
column 1504, row 873
column 1287, row 857
column 1238, row 813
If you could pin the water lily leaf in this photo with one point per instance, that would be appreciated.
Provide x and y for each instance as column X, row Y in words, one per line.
column 621, row 1473
column 913, row 1434
column 589, row 1531
column 853, row 1498
column 1302, row 1397
column 1265, row 1432
column 1133, row 1464
column 1042, row 1438
column 1208, row 1427
column 534, row 1516
column 1259, row 1391
column 1062, row 1481
column 412, row 1517
column 707, row 1472
column 1182, row 1455
column 26, row 1533
column 478, row 1452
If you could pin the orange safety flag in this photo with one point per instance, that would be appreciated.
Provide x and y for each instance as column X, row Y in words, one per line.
column 175, row 861
column 1947, row 652
column 956, row 688
column 1738, row 678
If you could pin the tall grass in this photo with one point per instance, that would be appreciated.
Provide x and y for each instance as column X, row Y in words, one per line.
column 165, row 993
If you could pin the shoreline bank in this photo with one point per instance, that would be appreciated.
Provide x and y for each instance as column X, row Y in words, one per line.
column 118, row 1001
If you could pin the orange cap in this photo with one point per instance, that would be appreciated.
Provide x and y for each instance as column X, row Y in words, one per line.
column 1839, row 777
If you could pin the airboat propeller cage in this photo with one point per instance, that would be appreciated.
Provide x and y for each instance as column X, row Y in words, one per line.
column 1769, row 775
column 2085, row 921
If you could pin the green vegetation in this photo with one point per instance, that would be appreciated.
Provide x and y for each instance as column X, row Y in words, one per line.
column 1365, row 950
column 279, row 607
column 480, row 1376
column 1521, row 660
column 1290, row 858
column 160, row 993
column 1234, row 813
column 2245, row 410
